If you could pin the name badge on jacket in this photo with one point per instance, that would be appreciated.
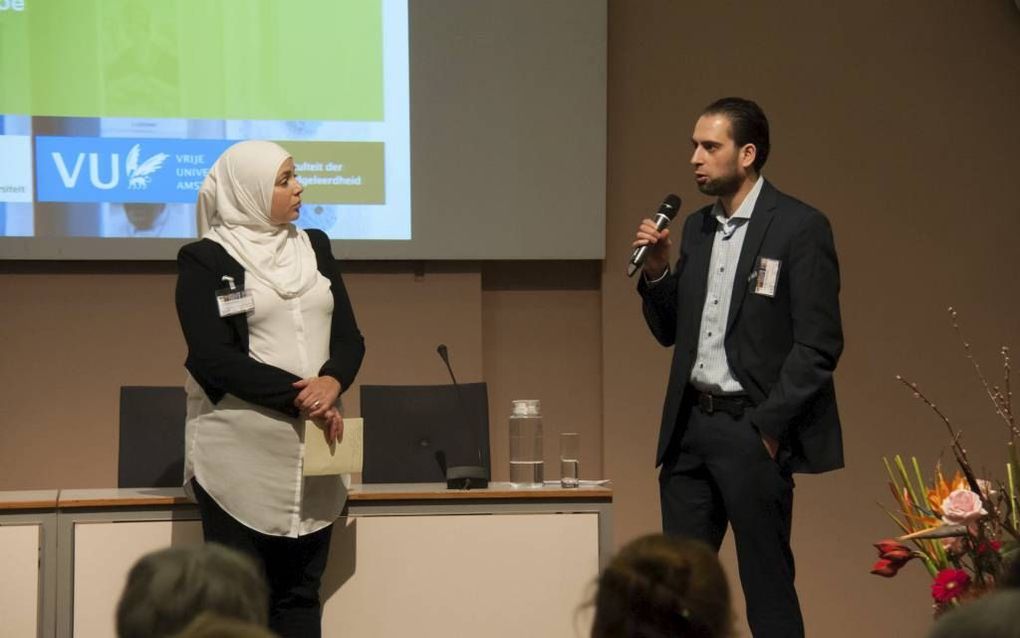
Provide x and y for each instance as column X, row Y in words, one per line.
column 233, row 300
column 766, row 276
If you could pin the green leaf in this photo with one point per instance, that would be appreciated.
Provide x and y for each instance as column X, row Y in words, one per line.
column 892, row 475
column 923, row 487
column 906, row 481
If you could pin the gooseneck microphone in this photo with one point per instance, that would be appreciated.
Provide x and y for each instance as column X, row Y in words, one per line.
column 464, row 477
column 445, row 354
column 667, row 211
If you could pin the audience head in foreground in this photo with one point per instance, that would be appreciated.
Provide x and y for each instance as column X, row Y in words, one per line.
column 166, row 590
column 663, row 586
column 211, row 625
column 995, row 615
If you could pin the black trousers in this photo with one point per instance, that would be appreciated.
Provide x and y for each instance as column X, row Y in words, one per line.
column 293, row 566
column 718, row 472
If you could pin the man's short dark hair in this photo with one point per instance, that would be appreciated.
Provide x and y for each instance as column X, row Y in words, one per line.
column 748, row 123
column 167, row 589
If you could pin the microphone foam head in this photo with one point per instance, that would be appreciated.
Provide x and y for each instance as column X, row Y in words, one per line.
column 670, row 206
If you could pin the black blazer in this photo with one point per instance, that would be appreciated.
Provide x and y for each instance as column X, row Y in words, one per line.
column 218, row 347
column 783, row 349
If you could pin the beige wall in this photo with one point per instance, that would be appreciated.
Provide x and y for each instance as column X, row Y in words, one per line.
column 897, row 119
column 80, row 331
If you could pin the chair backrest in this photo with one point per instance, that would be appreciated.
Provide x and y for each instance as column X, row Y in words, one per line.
column 151, row 436
column 413, row 431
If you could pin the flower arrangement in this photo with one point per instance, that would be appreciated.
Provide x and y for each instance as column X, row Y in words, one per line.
column 963, row 530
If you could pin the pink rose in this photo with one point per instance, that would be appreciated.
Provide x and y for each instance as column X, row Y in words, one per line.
column 962, row 507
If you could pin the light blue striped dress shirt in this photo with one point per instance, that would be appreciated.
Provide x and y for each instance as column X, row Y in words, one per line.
column 711, row 371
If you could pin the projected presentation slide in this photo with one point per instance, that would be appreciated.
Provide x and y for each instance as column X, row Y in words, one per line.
column 113, row 111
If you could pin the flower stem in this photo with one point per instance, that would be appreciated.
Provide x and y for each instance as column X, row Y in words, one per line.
column 1001, row 405
column 1012, row 493
column 929, row 565
column 961, row 457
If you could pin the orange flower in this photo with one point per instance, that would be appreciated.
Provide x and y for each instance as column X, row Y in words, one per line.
column 941, row 490
column 914, row 519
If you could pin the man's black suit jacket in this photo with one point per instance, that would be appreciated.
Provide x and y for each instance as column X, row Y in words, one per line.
column 782, row 349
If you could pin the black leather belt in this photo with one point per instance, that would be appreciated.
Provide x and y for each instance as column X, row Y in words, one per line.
column 732, row 404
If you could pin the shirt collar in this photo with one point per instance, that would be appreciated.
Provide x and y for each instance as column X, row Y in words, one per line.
column 746, row 207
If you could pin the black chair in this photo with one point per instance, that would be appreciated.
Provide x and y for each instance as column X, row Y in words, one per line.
column 151, row 436
column 413, row 432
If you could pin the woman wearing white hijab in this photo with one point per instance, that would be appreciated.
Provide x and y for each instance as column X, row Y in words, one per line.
column 255, row 374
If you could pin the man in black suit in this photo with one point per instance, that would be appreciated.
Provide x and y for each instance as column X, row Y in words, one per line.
column 752, row 310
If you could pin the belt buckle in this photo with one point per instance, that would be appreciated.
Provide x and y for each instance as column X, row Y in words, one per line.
column 708, row 405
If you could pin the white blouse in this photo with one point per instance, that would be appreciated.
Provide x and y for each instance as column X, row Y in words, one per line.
column 249, row 458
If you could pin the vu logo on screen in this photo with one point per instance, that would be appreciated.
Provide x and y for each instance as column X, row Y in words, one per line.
column 94, row 169
column 139, row 176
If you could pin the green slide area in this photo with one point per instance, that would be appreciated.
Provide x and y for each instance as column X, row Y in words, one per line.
column 196, row 59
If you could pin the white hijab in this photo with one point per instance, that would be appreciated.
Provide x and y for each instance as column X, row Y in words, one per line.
column 233, row 211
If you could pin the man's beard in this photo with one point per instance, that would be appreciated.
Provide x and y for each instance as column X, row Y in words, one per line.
column 721, row 186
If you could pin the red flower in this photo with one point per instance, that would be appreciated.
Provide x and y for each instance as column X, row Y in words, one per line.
column 989, row 547
column 892, row 556
column 886, row 568
column 891, row 550
column 949, row 584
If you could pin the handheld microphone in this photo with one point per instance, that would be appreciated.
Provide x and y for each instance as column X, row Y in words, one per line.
column 464, row 477
column 667, row 211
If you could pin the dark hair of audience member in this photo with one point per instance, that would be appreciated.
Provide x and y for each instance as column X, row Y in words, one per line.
column 994, row 615
column 167, row 589
column 1010, row 578
column 212, row 625
column 663, row 586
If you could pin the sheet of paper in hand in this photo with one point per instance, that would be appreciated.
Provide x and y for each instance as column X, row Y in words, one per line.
column 343, row 457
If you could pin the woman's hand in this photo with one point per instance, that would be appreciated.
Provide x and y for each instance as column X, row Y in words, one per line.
column 317, row 395
column 332, row 423
column 336, row 427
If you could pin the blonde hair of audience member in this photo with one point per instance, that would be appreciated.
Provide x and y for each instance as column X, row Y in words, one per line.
column 212, row 625
column 663, row 586
column 167, row 589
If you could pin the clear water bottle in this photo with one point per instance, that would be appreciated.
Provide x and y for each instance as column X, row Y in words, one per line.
column 527, row 465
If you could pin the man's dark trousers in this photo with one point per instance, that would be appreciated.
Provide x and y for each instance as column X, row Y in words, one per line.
column 718, row 471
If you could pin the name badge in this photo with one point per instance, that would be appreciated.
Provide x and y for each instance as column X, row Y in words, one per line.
column 233, row 300
column 766, row 276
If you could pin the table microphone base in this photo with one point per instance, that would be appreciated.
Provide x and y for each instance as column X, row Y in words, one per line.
column 466, row 477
